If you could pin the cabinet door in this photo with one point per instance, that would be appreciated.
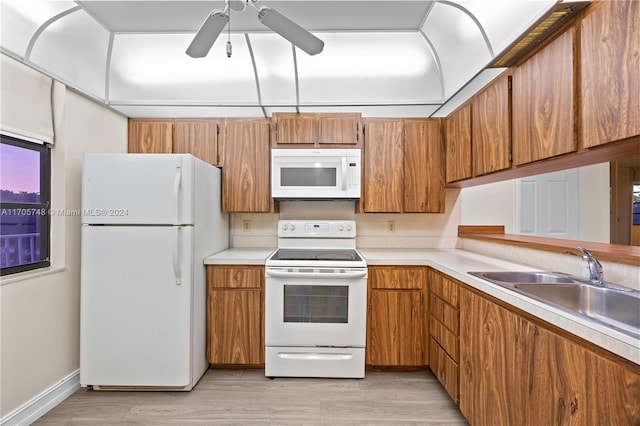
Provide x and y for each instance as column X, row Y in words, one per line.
column 383, row 166
column 610, row 72
column 198, row 137
column 423, row 167
column 291, row 128
column 543, row 103
column 491, row 130
column 235, row 327
column 458, row 141
column 487, row 352
column 395, row 333
column 339, row 129
column 514, row 371
column 149, row 136
column 245, row 174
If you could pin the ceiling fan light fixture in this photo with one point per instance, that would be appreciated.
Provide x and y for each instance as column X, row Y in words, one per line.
column 291, row 31
column 207, row 34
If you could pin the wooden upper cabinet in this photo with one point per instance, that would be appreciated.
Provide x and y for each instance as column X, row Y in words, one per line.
column 458, row 144
column 543, row 102
column 403, row 166
column 491, row 128
column 309, row 130
column 199, row 137
column 291, row 128
column 383, row 166
column 246, row 184
column 423, row 166
column 339, row 129
column 610, row 72
column 150, row 136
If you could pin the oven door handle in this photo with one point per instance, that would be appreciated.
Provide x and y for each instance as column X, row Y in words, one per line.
column 279, row 274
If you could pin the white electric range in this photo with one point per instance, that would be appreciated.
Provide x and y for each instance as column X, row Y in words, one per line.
column 316, row 301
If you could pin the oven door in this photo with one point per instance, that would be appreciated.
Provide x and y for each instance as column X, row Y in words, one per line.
column 315, row 307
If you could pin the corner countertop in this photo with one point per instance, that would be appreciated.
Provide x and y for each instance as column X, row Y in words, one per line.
column 240, row 256
column 457, row 263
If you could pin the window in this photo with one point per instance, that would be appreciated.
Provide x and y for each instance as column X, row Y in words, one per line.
column 25, row 172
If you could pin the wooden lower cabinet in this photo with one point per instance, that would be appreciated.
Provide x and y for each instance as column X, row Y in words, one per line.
column 235, row 315
column 516, row 371
column 444, row 329
column 397, row 318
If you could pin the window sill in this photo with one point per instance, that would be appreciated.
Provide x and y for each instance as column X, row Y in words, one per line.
column 608, row 252
column 28, row 275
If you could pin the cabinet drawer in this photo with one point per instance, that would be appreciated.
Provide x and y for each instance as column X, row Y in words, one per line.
column 445, row 313
column 444, row 288
column 445, row 369
column 397, row 278
column 446, row 338
column 235, row 277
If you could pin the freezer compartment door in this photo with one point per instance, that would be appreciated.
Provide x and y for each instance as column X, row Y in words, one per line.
column 138, row 189
column 136, row 306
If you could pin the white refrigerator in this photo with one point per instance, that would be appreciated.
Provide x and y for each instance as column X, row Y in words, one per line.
column 148, row 221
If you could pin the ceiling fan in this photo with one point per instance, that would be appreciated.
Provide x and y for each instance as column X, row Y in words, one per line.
column 271, row 18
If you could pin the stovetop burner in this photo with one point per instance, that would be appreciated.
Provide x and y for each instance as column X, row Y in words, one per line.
column 317, row 254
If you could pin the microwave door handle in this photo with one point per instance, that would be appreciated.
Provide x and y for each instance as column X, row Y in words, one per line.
column 344, row 173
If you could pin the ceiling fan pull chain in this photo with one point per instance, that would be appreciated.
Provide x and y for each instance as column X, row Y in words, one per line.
column 229, row 48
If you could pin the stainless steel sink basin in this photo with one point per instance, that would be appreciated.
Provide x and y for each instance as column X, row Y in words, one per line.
column 514, row 277
column 617, row 309
column 608, row 304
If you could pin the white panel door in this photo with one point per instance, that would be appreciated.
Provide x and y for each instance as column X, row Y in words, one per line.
column 136, row 306
column 547, row 205
column 137, row 189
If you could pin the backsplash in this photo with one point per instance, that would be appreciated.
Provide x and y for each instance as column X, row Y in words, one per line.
column 375, row 230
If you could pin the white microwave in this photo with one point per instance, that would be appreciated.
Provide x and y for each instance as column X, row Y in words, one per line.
column 311, row 174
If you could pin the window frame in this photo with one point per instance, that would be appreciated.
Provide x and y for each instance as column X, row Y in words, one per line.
column 41, row 210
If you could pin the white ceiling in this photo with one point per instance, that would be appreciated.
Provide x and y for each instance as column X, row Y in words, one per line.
column 384, row 58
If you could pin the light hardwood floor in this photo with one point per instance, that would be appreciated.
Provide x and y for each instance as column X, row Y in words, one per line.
column 246, row 397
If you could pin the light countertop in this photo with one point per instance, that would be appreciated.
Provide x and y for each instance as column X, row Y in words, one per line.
column 456, row 263
column 240, row 256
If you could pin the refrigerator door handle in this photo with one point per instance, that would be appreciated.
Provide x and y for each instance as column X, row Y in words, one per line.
column 176, row 193
column 177, row 270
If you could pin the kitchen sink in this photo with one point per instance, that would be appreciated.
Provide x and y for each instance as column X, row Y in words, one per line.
column 615, row 308
column 608, row 304
column 514, row 277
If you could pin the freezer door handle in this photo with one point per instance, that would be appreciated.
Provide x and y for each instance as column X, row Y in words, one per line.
column 176, row 193
column 177, row 270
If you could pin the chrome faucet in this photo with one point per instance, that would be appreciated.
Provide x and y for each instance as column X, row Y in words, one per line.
column 595, row 268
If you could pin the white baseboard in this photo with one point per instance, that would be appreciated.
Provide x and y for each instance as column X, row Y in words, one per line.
column 42, row 403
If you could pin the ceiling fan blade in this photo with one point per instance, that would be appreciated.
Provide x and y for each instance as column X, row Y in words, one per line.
column 207, row 34
column 291, row 31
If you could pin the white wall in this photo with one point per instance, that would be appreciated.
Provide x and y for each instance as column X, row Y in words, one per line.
column 495, row 203
column 490, row 204
column 40, row 315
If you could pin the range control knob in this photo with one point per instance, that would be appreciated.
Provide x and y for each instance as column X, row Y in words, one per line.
column 292, row 227
column 341, row 227
column 285, row 227
column 349, row 228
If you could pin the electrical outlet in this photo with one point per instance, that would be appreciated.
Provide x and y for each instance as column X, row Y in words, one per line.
column 246, row 226
column 391, row 226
